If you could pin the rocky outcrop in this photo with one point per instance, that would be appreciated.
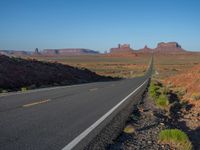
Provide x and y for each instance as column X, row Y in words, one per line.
column 124, row 48
column 146, row 49
column 162, row 48
column 16, row 73
column 171, row 47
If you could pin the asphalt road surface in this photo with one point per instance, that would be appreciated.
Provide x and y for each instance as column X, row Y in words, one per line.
column 51, row 118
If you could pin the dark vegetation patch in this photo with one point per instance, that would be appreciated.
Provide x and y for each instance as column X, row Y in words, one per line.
column 17, row 73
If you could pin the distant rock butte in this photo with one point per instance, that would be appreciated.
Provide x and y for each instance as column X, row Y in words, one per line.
column 171, row 47
column 122, row 50
column 146, row 49
column 164, row 48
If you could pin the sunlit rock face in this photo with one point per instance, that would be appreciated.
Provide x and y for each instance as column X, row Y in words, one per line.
column 171, row 47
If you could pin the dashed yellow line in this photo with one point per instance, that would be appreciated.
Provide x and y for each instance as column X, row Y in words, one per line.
column 94, row 89
column 112, row 84
column 36, row 103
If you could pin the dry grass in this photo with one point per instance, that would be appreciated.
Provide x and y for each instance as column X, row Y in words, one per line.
column 176, row 138
column 159, row 95
column 126, row 67
column 170, row 65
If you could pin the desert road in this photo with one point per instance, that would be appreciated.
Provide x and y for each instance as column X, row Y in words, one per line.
column 52, row 118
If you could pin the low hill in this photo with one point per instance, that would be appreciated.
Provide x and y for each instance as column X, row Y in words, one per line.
column 16, row 73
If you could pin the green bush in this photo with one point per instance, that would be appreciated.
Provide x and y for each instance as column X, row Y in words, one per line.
column 3, row 91
column 154, row 90
column 159, row 94
column 162, row 101
column 24, row 89
column 175, row 138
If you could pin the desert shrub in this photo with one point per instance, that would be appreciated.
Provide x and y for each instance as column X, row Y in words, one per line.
column 159, row 94
column 170, row 85
column 154, row 90
column 23, row 89
column 165, row 90
column 175, row 138
column 3, row 91
column 195, row 96
column 162, row 101
column 181, row 91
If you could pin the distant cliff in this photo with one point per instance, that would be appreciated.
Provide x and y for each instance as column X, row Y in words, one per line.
column 164, row 48
column 171, row 47
column 69, row 51
column 124, row 48
column 52, row 52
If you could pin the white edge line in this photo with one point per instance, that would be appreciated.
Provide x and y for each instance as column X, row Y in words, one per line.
column 80, row 137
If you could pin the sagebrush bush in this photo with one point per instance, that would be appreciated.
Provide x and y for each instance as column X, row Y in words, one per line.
column 176, row 138
column 162, row 101
column 196, row 96
column 159, row 94
column 154, row 90
column 23, row 89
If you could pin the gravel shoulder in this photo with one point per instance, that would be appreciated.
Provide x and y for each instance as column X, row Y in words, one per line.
column 146, row 121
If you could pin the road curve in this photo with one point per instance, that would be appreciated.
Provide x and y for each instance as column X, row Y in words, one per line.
column 49, row 119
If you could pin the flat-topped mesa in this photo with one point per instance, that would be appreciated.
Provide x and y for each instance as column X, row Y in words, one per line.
column 171, row 47
column 69, row 51
column 124, row 48
column 169, row 44
column 14, row 52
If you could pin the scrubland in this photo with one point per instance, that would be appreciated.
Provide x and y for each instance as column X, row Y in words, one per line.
column 114, row 66
column 180, row 74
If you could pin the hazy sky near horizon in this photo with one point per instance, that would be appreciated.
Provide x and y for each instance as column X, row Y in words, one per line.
column 98, row 24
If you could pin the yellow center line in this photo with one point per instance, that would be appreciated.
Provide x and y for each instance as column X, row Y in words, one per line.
column 36, row 103
column 94, row 89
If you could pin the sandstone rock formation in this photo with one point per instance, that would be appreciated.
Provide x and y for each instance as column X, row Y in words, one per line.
column 171, row 47
column 146, row 49
column 124, row 48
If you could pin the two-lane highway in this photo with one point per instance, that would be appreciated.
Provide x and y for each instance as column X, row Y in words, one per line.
column 52, row 118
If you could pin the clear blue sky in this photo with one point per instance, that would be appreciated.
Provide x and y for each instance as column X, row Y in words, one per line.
column 98, row 24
